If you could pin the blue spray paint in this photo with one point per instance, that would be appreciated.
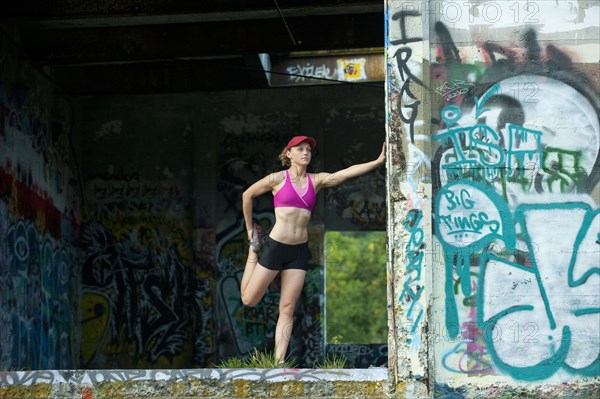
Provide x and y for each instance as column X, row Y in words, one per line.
column 558, row 320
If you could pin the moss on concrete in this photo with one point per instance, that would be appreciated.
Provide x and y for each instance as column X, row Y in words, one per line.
column 298, row 384
column 290, row 389
column 36, row 391
column 360, row 389
column 241, row 388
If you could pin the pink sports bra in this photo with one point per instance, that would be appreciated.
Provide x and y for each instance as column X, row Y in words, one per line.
column 288, row 195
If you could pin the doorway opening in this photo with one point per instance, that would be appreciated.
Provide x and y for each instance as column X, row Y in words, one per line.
column 355, row 287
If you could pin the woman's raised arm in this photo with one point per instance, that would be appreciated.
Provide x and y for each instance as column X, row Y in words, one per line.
column 327, row 180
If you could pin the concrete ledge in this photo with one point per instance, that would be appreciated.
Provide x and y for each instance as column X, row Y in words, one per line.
column 200, row 383
column 265, row 383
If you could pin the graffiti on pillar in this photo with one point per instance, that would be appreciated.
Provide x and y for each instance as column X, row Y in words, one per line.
column 409, row 102
column 478, row 152
column 411, row 89
column 553, row 322
column 515, row 165
column 410, row 297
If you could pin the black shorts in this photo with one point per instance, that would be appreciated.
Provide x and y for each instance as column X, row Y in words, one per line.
column 279, row 256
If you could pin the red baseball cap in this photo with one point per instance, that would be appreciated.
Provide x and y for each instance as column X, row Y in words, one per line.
column 300, row 139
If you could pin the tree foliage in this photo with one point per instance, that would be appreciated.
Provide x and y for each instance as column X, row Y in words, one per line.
column 355, row 292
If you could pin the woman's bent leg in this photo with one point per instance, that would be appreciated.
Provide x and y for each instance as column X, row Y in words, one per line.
column 249, row 269
column 255, row 281
column 292, row 282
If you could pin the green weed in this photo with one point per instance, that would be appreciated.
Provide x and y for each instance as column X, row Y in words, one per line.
column 332, row 361
column 256, row 360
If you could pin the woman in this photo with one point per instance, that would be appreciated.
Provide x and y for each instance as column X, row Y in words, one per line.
column 286, row 249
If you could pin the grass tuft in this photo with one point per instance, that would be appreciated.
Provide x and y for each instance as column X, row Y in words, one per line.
column 232, row 363
column 332, row 361
column 257, row 360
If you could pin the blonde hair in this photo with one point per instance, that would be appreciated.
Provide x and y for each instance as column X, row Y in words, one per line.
column 285, row 161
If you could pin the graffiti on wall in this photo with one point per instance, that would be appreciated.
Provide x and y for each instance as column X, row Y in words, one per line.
column 36, row 277
column 302, row 72
column 248, row 152
column 358, row 203
column 141, row 301
column 195, row 380
column 360, row 356
column 39, row 232
column 516, row 166
column 204, row 281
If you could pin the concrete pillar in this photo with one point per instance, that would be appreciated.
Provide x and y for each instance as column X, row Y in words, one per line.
column 409, row 190
column 493, row 177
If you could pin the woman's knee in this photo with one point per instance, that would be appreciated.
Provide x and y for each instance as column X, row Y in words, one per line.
column 287, row 308
column 250, row 300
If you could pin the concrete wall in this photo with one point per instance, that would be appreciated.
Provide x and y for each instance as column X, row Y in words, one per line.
column 39, row 221
column 493, row 203
column 122, row 240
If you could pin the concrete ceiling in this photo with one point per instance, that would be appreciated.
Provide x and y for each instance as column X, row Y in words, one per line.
column 157, row 46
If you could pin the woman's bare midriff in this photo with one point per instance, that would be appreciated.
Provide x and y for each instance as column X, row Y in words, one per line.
column 290, row 225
